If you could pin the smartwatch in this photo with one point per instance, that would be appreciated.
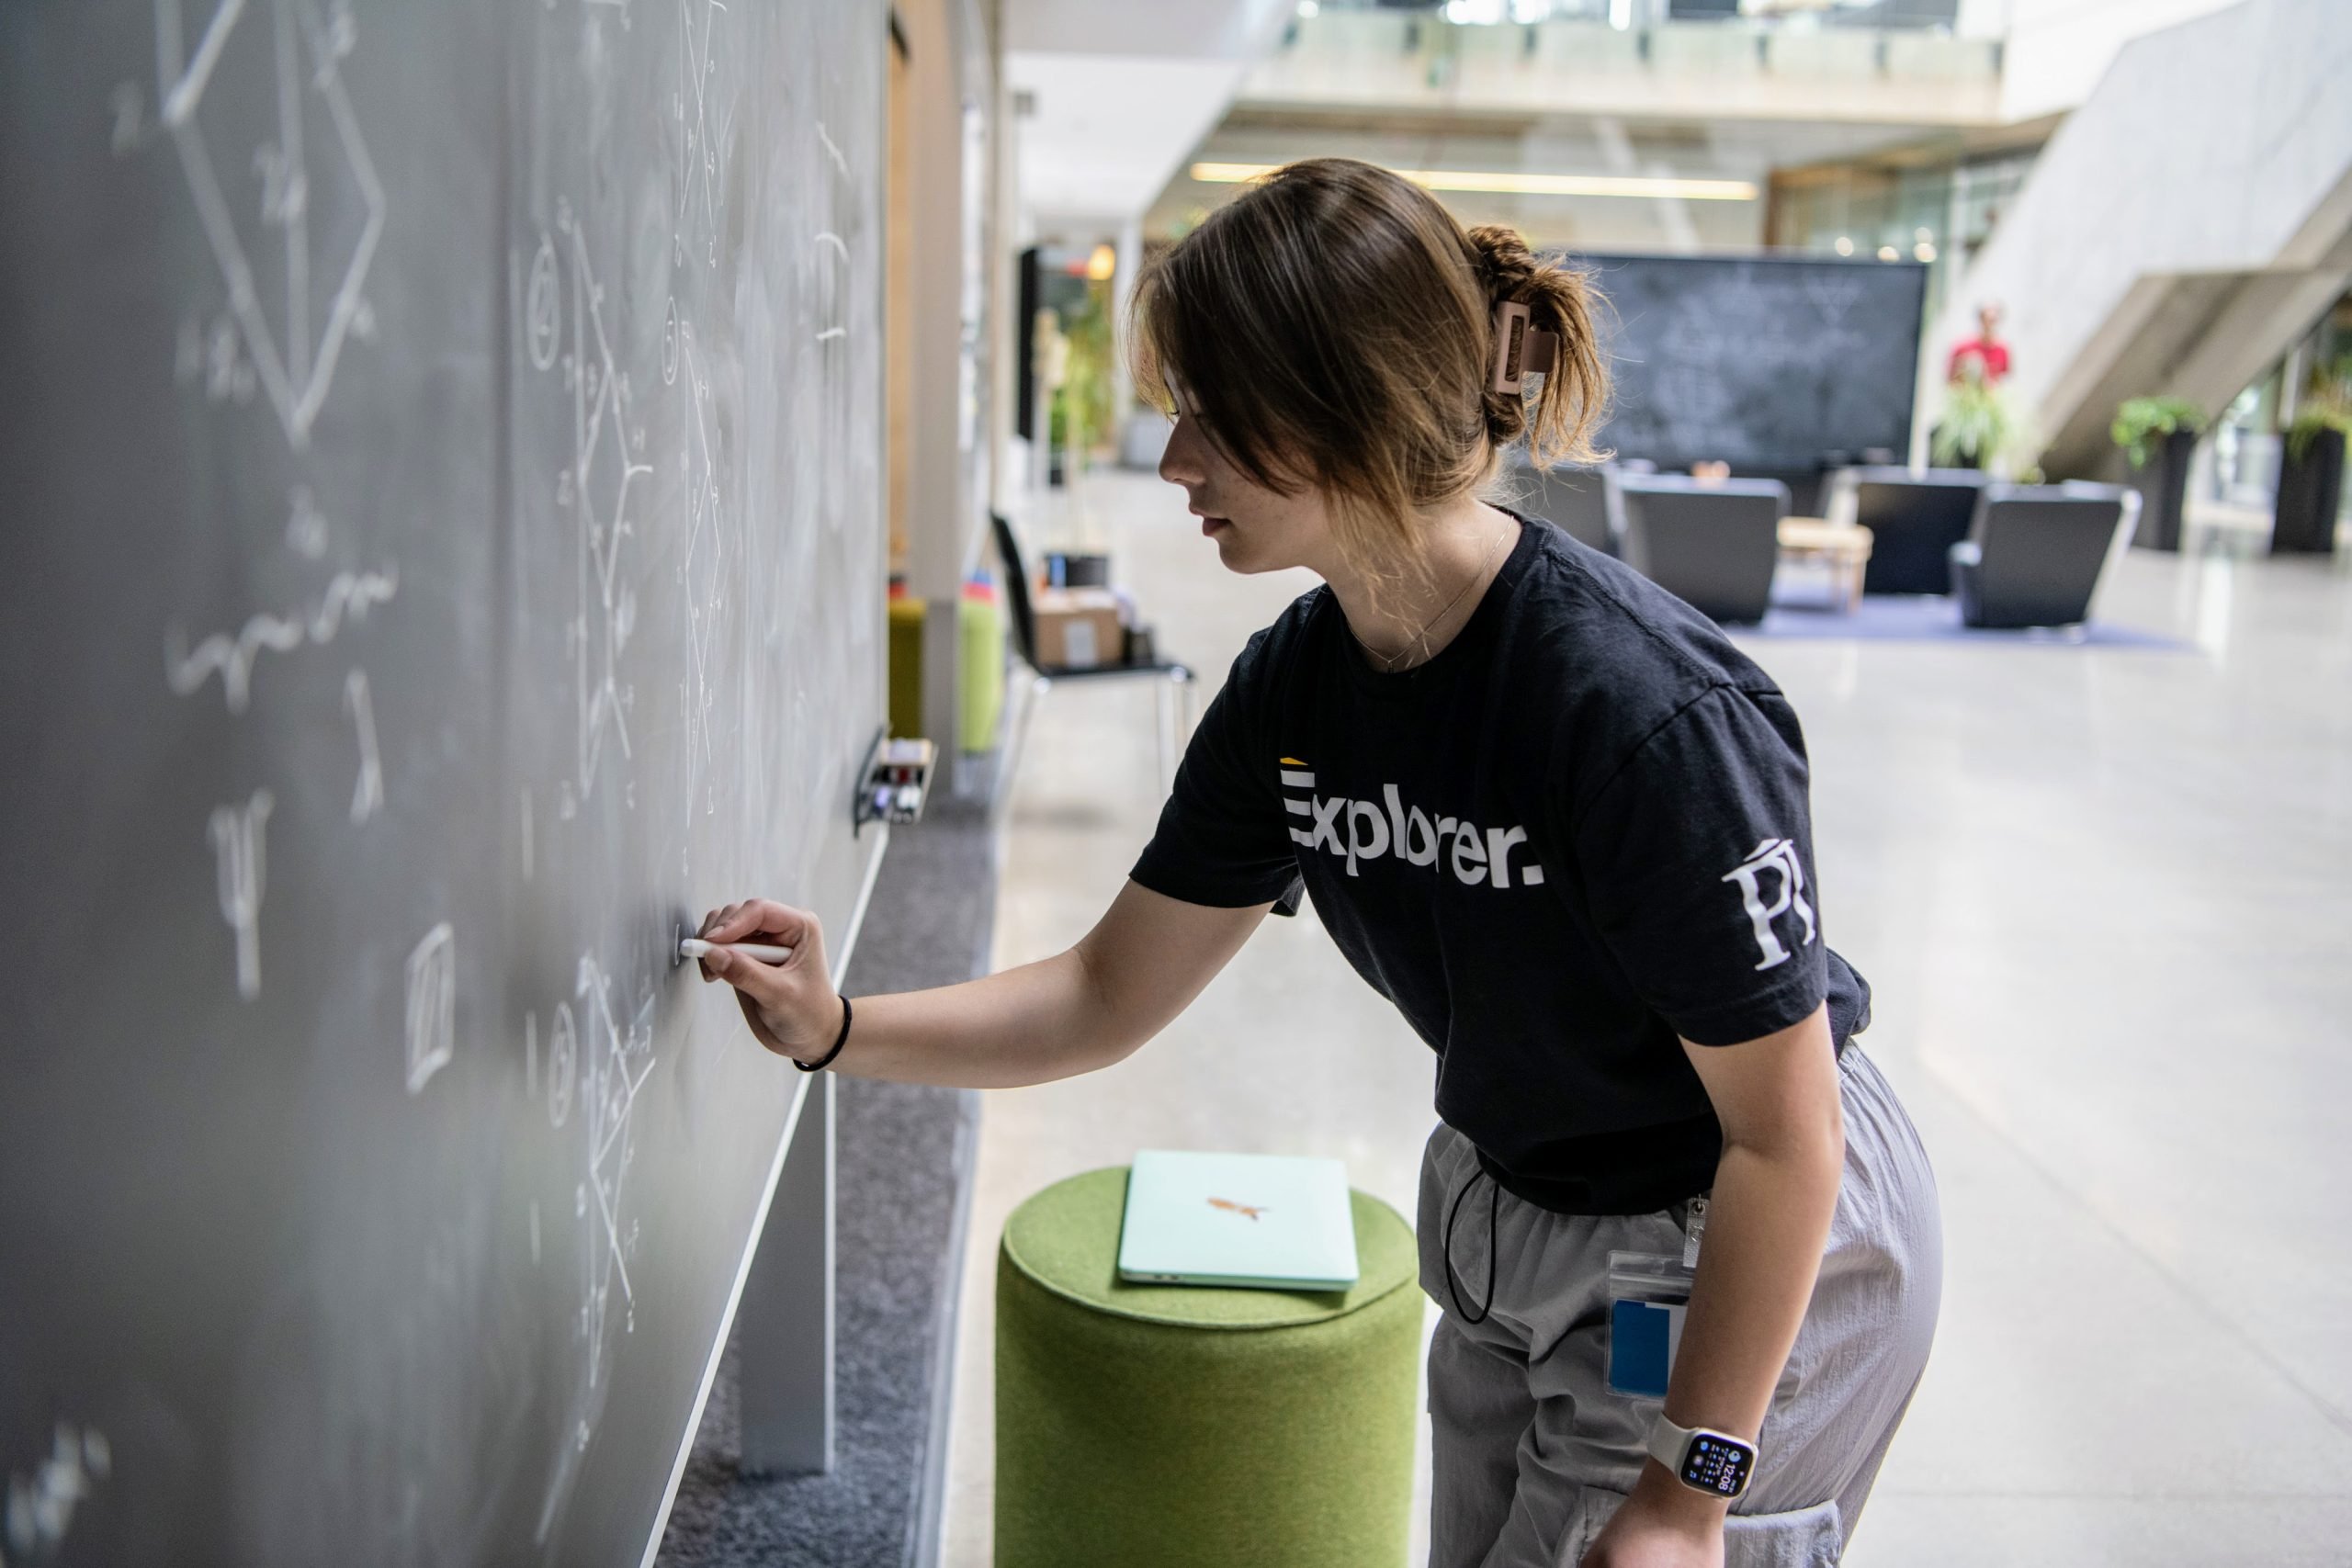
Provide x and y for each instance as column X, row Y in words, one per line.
column 1714, row 1462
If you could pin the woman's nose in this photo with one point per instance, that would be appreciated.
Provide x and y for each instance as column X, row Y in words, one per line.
column 1180, row 463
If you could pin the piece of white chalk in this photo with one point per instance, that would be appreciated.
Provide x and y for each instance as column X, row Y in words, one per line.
column 695, row 947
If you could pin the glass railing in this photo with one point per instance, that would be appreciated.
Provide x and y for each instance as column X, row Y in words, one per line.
column 1888, row 15
column 1633, row 55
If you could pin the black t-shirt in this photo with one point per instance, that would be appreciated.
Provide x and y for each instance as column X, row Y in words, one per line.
column 1577, row 833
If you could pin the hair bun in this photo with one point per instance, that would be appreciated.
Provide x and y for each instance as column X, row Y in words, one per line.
column 1505, row 263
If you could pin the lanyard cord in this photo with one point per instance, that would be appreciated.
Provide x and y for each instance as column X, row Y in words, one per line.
column 1453, row 1287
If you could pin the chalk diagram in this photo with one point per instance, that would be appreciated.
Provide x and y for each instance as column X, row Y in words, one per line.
column 295, row 358
column 594, row 487
column 706, row 563
column 41, row 1504
column 619, row 1058
column 431, row 1017
column 699, row 173
column 239, row 842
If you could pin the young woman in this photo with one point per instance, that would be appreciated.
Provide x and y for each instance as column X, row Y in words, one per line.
column 1559, row 820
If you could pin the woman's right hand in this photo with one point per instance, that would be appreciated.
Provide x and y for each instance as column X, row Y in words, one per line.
column 791, row 1006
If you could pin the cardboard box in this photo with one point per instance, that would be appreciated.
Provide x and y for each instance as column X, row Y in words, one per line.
column 1080, row 628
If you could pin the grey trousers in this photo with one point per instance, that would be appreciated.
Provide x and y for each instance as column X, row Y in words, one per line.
column 1531, row 1451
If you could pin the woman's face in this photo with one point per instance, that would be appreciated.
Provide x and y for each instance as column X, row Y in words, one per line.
column 1256, row 529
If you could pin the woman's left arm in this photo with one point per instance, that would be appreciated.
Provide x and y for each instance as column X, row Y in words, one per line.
column 1768, row 1222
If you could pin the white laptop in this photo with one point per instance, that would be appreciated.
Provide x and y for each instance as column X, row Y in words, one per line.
column 1270, row 1220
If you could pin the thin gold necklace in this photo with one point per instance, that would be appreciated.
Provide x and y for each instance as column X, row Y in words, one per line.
column 1389, row 661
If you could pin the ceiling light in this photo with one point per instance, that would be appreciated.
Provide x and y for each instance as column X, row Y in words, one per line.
column 1101, row 264
column 1888, row 252
column 1308, row 9
column 1924, row 251
column 1505, row 182
column 1845, row 246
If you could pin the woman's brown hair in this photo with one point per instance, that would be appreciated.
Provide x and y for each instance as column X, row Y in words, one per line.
column 1333, row 327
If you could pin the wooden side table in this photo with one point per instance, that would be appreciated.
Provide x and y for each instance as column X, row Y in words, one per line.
column 1845, row 549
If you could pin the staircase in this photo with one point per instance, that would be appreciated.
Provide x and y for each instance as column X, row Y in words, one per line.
column 2184, row 227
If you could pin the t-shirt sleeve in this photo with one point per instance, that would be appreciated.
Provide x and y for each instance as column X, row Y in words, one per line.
column 1223, row 840
column 1697, row 856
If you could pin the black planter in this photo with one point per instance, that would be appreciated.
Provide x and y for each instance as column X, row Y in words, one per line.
column 2309, row 489
column 2163, row 483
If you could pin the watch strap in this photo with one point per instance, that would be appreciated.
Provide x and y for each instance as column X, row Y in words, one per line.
column 1669, row 1443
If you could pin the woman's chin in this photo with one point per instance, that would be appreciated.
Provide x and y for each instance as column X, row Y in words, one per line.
column 1233, row 552
column 1237, row 552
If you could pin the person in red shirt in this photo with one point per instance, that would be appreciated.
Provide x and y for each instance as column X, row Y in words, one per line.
column 1990, row 354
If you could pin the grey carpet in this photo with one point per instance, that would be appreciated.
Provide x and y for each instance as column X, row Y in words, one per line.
column 902, row 1170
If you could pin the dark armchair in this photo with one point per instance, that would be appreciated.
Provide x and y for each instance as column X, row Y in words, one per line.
column 1582, row 501
column 1914, row 517
column 1712, row 544
column 2034, row 553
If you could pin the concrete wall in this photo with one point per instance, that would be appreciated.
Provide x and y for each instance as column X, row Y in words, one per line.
column 2056, row 50
column 2181, row 228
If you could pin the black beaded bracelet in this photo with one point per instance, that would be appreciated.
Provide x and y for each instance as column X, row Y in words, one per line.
column 827, row 1059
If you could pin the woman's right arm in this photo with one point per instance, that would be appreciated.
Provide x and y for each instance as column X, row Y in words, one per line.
column 1086, row 1008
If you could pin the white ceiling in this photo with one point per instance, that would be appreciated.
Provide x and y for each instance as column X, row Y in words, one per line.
column 1124, row 90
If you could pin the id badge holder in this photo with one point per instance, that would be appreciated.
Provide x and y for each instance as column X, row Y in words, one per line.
column 1649, row 1293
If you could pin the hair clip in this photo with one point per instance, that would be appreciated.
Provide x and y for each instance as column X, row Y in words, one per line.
column 1521, row 349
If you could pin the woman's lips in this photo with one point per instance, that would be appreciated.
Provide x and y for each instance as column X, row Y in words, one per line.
column 1209, row 525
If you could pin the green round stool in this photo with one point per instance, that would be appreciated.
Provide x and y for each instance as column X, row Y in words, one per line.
column 1168, row 1427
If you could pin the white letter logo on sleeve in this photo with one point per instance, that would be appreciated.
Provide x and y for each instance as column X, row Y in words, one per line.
column 1778, row 856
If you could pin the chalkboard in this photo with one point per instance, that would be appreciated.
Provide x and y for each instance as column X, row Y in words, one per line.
column 1764, row 362
column 443, row 553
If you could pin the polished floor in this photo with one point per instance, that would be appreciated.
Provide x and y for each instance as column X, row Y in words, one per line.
column 2104, row 897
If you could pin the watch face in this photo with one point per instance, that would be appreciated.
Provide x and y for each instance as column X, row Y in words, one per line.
column 1717, row 1465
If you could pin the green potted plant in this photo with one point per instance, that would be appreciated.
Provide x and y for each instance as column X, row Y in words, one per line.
column 1080, row 416
column 1976, row 424
column 2311, row 482
column 2159, row 436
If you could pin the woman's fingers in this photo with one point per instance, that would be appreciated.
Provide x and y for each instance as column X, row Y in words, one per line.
column 762, row 918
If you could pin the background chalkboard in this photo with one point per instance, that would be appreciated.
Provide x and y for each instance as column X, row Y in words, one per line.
column 441, row 552
column 1765, row 362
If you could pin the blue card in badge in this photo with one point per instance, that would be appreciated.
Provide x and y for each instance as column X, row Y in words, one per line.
column 1648, row 1294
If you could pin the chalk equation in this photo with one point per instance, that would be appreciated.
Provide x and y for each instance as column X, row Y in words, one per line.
column 240, row 839
column 430, row 1024
column 348, row 597
column 704, row 572
column 367, row 794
